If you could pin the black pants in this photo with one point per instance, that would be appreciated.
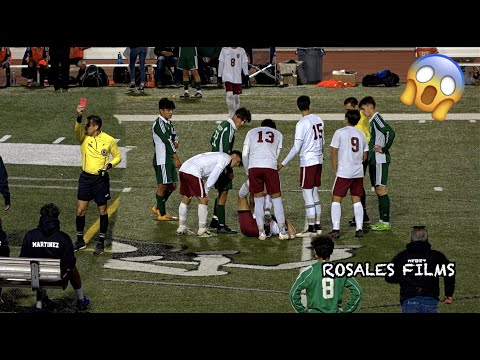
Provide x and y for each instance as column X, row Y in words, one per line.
column 60, row 67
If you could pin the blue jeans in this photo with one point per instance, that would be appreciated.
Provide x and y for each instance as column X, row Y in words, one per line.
column 420, row 304
column 141, row 52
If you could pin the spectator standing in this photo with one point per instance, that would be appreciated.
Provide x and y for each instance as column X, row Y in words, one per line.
column 420, row 293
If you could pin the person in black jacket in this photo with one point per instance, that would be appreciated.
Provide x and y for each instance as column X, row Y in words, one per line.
column 48, row 241
column 417, row 269
column 4, row 249
column 4, row 190
column 167, row 57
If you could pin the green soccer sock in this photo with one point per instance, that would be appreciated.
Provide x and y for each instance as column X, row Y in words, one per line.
column 384, row 208
column 215, row 208
column 198, row 85
column 161, row 204
column 167, row 195
column 221, row 214
column 185, row 85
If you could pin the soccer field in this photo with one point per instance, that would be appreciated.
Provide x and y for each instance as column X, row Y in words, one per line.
column 433, row 181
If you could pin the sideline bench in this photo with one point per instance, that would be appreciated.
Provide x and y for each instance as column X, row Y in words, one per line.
column 36, row 274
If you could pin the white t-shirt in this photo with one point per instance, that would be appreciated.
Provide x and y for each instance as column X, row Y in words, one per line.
column 351, row 144
column 261, row 148
column 309, row 140
column 206, row 165
column 230, row 64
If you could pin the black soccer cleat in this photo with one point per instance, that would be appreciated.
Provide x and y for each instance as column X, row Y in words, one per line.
column 79, row 245
column 359, row 233
column 214, row 224
column 224, row 229
column 334, row 234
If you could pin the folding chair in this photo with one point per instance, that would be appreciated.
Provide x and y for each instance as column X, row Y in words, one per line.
column 264, row 70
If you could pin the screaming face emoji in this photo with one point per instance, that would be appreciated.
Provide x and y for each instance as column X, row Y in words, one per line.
column 434, row 82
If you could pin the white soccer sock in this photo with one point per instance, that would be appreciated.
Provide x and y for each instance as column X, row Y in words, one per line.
column 202, row 216
column 236, row 102
column 243, row 192
column 318, row 207
column 259, row 211
column 182, row 214
column 336, row 215
column 268, row 202
column 309, row 205
column 79, row 293
column 230, row 103
column 279, row 214
column 358, row 211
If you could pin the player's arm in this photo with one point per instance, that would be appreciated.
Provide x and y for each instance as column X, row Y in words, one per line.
column 244, row 63
column 116, row 154
column 296, row 291
column 297, row 145
column 355, row 295
column 212, row 179
column 245, row 153
column 334, row 159
column 221, row 63
column 79, row 130
column 161, row 132
column 388, row 132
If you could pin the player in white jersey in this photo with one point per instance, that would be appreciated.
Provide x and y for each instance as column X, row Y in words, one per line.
column 231, row 62
column 193, row 172
column 260, row 153
column 349, row 150
column 309, row 141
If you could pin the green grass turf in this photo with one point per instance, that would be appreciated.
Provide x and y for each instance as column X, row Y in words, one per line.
column 424, row 156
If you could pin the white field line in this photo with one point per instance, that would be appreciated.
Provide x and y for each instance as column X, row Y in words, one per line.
column 293, row 117
column 5, row 138
column 59, row 140
column 193, row 285
column 53, row 187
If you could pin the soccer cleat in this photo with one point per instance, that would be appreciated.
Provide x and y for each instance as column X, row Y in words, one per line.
column 334, row 234
column 224, row 229
column 173, row 217
column 185, row 231
column 380, row 226
column 185, row 95
column 79, row 245
column 167, row 217
column 214, row 224
column 262, row 235
column 318, row 229
column 131, row 87
column 83, row 304
column 99, row 249
column 198, row 95
column 141, row 89
column 204, row 233
column 155, row 211
column 359, row 233
column 305, row 234
column 284, row 236
column 48, row 304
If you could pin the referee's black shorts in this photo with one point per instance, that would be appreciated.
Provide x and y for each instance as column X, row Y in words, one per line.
column 94, row 187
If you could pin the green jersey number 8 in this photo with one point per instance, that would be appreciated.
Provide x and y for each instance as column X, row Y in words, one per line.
column 327, row 288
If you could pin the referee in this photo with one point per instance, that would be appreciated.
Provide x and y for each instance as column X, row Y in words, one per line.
column 94, row 183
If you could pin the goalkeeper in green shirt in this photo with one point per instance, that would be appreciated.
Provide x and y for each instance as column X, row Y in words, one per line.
column 324, row 294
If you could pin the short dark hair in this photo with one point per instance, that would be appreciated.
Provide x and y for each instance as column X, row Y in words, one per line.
column 351, row 100
column 323, row 246
column 243, row 114
column 367, row 100
column 166, row 104
column 50, row 210
column 303, row 103
column 96, row 120
column 269, row 123
column 352, row 116
column 238, row 153
column 419, row 233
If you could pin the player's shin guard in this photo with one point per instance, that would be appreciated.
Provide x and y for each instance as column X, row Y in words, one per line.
column 384, row 208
